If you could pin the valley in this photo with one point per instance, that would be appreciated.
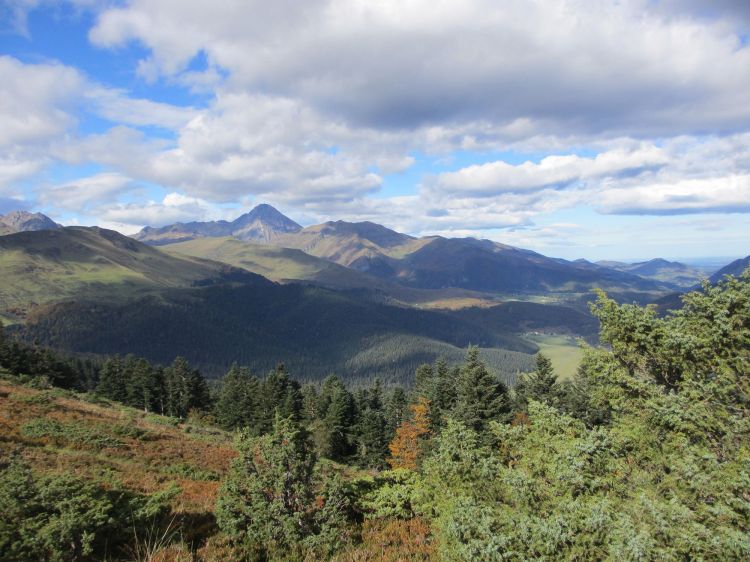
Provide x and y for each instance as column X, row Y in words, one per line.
column 356, row 299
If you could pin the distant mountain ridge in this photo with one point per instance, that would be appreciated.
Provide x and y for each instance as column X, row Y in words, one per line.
column 431, row 262
column 23, row 221
column 77, row 262
column 262, row 224
column 659, row 269
column 736, row 268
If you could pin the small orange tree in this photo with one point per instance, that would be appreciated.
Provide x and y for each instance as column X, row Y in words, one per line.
column 405, row 445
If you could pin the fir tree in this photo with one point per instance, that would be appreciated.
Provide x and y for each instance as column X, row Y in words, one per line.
column 236, row 404
column 481, row 396
column 539, row 385
column 112, row 380
column 443, row 399
column 396, row 411
column 338, row 422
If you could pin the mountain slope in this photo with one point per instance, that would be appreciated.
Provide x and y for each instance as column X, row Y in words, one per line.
column 658, row 269
column 292, row 265
column 314, row 331
column 736, row 268
column 482, row 265
column 433, row 263
column 263, row 223
column 95, row 264
column 22, row 221
column 364, row 246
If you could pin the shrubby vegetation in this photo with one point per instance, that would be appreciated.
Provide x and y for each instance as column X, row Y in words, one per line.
column 644, row 455
column 60, row 518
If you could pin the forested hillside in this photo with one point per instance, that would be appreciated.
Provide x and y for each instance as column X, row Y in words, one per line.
column 313, row 330
column 642, row 456
column 90, row 290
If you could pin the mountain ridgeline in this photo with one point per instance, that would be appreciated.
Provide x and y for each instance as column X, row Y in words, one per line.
column 357, row 299
column 23, row 221
column 263, row 223
column 438, row 263
column 736, row 268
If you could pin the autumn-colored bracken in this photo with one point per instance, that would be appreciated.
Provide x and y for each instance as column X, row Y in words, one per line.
column 405, row 447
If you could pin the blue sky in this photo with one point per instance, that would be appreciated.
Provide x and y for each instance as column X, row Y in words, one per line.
column 596, row 129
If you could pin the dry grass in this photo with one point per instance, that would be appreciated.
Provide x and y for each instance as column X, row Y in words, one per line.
column 141, row 463
column 392, row 540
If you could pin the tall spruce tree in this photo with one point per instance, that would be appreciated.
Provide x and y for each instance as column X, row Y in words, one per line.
column 539, row 385
column 338, row 423
column 112, row 380
column 481, row 396
column 279, row 394
column 371, row 432
column 143, row 386
column 396, row 411
column 443, row 399
column 184, row 389
column 237, row 402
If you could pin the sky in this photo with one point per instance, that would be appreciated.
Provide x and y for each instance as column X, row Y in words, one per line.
column 599, row 129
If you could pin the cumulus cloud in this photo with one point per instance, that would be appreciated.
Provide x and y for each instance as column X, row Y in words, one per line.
column 553, row 171
column 35, row 101
column 81, row 194
column 561, row 66
column 116, row 106
column 631, row 107
column 174, row 207
column 729, row 194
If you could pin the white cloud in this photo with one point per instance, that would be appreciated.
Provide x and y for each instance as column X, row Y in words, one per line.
column 729, row 194
column 118, row 107
column 553, row 171
column 560, row 67
column 35, row 101
column 174, row 207
column 79, row 195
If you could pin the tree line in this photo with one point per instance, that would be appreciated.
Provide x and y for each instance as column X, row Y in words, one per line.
column 642, row 456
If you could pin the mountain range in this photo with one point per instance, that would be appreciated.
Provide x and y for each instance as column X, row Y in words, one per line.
column 672, row 272
column 23, row 221
column 473, row 267
column 263, row 224
column 737, row 267
column 354, row 298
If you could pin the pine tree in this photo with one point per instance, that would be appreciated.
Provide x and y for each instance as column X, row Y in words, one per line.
column 539, row 385
column 112, row 380
column 143, row 391
column 424, row 379
column 278, row 395
column 372, row 438
column 443, row 400
column 236, row 404
column 396, row 411
column 310, row 399
column 338, row 422
column 184, row 389
column 481, row 396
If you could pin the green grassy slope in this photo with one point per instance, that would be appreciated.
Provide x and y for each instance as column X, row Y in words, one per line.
column 564, row 351
column 92, row 263
column 291, row 264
